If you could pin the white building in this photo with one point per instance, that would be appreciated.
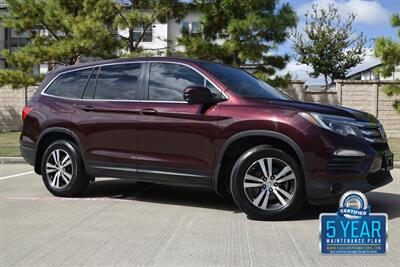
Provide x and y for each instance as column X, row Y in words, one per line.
column 370, row 73
column 368, row 69
column 162, row 36
column 156, row 39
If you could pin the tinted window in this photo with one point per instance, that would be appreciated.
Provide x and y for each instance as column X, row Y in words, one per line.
column 70, row 84
column 91, row 84
column 118, row 81
column 167, row 81
column 242, row 82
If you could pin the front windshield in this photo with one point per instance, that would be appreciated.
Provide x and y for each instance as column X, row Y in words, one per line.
column 243, row 83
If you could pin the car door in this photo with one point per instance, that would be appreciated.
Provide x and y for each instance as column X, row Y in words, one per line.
column 105, row 119
column 175, row 140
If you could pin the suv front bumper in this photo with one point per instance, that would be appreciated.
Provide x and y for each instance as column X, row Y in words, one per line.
column 340, row 174
column 328, row 191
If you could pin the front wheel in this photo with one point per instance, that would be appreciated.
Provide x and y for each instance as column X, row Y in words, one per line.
column 62, row 169
column 267, row 184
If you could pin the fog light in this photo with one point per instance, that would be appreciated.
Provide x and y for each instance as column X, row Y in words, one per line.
column 348, row 153
column 337, row 188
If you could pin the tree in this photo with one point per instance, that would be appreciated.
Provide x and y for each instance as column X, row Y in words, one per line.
column 137, row 18
column 61, row 33
column 239, row 32
column 64, row 32
column 331, row 47
column 389, row 52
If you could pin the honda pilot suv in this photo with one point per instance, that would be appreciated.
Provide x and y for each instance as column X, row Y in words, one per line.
column 196, row 123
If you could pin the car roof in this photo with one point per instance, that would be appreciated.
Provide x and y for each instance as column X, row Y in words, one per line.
column 121, row 60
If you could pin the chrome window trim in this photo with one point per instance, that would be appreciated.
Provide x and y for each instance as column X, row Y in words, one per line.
column 43, row 92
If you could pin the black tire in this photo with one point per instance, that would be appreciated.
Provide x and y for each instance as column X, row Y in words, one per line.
column 79, row 179
column 247, row 163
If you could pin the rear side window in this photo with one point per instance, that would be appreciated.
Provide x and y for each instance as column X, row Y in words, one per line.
column 118, row 82
column 70, row 84
column 168, row 80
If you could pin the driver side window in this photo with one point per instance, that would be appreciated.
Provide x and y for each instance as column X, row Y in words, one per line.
column 168, row 80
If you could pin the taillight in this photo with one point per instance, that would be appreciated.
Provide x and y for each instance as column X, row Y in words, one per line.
column 25, row 112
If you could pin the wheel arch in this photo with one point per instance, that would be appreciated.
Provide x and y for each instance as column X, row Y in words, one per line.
column 50, row 135
column 243, row 138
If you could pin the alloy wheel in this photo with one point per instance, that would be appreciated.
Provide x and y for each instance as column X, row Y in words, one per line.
column 269, row 183
column 59, row 169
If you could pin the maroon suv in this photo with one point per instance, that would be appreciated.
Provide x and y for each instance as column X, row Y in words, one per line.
column 189, row 122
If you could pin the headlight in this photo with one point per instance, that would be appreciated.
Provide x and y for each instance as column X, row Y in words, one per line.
column 340, row 125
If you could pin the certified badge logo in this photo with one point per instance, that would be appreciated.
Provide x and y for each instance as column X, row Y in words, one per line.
column 353, row 229
column 353, row 205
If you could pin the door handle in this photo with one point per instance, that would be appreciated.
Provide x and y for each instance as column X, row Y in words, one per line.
column 87, row 108
column 148, row 111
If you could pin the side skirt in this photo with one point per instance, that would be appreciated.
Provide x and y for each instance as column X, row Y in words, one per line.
column 146, row 174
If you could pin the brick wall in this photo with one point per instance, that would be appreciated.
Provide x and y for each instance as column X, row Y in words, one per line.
column 296, row 90
column 11, row 103
column 363, row 95
column 369, row 96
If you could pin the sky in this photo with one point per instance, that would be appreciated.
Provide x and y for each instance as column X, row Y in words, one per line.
column 372, row 18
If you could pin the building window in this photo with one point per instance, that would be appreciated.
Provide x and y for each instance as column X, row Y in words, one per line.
column 15, row 40
column 186, row 26
column 195, row 27
column 191, row 26
column 148, row 35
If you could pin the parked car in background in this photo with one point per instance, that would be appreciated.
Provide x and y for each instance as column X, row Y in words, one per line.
column 189, row 122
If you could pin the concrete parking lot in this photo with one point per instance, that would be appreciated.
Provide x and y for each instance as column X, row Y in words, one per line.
column 121, row 223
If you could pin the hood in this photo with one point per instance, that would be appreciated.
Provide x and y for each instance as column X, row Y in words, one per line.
column 320, row 108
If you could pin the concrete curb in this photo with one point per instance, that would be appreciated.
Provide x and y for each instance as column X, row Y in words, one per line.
column 18, row 160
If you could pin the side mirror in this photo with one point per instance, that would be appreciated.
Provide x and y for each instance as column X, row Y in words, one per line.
column 199, row 95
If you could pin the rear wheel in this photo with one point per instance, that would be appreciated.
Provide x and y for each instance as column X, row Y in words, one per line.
column 62, row 169
column 267, row 183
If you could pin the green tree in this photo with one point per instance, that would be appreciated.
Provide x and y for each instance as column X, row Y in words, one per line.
column 328, row 44
column 137, row 18
column 389, row 52
column 61, row 33
column 239, row 32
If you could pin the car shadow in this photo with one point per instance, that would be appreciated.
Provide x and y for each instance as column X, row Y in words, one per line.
column 204, row 198
column 385, row 203
column 162, row 194
column 379, row 202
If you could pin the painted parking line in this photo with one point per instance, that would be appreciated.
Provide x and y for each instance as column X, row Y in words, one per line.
column 62, row 199
column 115, row 198
column 15, row 175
